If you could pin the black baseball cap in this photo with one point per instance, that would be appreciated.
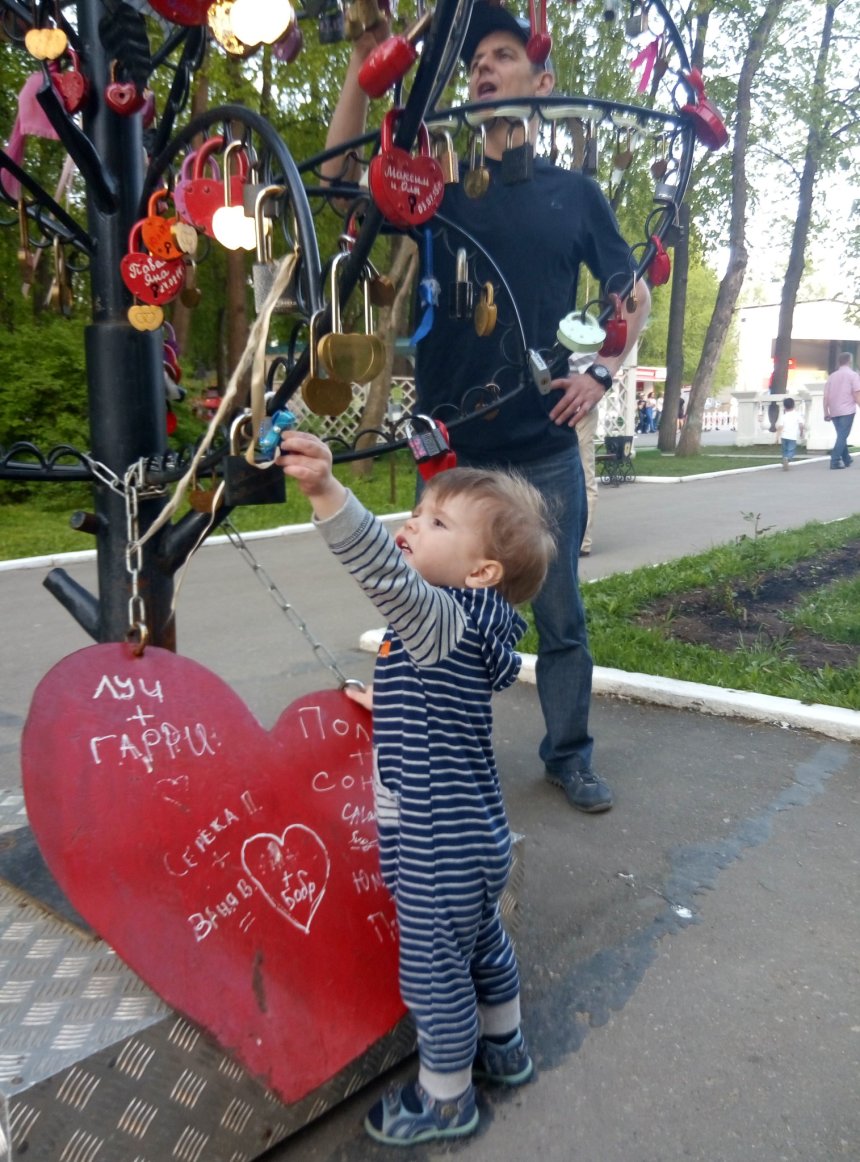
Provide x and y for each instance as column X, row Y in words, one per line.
column 487, row 18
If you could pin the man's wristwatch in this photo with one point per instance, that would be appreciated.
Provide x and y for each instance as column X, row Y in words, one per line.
column 602, row 374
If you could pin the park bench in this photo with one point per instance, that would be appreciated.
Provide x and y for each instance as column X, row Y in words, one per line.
column 615, row 464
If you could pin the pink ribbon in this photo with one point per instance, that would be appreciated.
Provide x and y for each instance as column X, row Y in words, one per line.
column 648, row 58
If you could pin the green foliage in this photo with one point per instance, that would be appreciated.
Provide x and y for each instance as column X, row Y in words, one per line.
column 43, row 383
column 614, row 604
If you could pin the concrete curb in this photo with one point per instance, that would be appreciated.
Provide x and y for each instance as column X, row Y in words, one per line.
column 831, row 721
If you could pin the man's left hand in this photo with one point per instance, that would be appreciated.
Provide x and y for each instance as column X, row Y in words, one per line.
column 581, row 394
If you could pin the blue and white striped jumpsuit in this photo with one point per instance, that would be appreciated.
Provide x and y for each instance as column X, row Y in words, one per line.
column 445, row 843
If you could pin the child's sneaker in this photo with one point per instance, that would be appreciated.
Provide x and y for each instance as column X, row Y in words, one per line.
column 505, row 1064
column 407, row 1114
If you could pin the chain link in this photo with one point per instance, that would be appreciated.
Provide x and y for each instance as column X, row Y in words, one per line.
column 133, row 487
column 323, row 655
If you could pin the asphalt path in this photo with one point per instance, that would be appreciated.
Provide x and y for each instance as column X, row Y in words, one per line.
column 691, row 986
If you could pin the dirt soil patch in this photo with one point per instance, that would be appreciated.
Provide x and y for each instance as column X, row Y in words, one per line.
column 741, row 614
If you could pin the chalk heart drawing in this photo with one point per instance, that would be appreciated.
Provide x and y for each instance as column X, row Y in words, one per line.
column 290, row 870
column 234, row 869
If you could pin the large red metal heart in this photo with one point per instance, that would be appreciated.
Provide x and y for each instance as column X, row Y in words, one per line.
column 234, row 869
column 71, row 85
column 408, row 188
column 152, row 280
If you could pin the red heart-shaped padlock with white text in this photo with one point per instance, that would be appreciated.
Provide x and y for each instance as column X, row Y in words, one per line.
column 407, row 188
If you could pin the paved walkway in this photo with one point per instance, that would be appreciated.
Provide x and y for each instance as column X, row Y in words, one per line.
column 690, row 974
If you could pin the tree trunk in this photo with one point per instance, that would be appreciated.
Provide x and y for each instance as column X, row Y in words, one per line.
column 668, row 434
column 391, row 322
column 181, row 315
column 668, row 431
column 800, row 234
column 733, row 279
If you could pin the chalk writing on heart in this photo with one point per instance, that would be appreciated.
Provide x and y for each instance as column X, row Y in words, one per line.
column 291, row 871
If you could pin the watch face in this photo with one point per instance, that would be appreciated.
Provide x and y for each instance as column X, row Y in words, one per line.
column 602, row 374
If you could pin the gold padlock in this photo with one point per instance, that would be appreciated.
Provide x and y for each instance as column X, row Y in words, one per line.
column 443, row 151
column 323, row 396
column 349, row 358
column 486, row 311
column 477, row 179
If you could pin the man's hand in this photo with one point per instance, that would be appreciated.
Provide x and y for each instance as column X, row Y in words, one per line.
column 308, row 460
column 581, row 394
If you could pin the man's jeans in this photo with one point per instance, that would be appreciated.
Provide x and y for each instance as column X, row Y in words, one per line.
column 564, row 665
column 839, row 454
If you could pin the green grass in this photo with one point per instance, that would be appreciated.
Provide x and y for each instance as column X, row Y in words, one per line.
column 652, row 462
column 832, row 612
column 39, row 526
column 613, row 604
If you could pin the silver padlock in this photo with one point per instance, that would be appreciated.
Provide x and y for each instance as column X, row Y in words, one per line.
column 637, row 21
column 263, row 272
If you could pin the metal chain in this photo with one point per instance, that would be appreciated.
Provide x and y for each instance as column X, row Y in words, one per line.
column 323, row 655
column 133, row 487
column 134, row 556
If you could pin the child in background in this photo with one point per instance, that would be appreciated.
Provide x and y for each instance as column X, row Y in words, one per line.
column 477, row 543
column 790, row 430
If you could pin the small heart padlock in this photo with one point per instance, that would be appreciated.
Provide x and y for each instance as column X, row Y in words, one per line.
column 123, row 97
column 144, row 317
column 407, row 188
column 157, row 232
column 152, row 280
column 72, row 86
column 46, row 44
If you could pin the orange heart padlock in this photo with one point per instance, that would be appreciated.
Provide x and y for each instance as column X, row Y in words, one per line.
column 157, row 232
column 407, row 188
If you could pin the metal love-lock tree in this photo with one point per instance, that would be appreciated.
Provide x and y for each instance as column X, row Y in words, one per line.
column 95, row 65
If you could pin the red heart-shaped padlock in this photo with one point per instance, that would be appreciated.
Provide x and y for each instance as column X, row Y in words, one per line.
column 615, row 329
column 407, row 188
column 71, row 84
column 204, row 195
column 234, row 869
column 660, row 266
column 187, row 12
column 707, row 123
column 124, row 98
column 538, row 47
column 151, row 279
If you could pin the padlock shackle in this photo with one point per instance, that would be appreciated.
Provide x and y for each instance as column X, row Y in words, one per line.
column 242, row 172
column 259, row 221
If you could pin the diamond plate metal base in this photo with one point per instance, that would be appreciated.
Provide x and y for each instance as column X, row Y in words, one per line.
column 95, row 1068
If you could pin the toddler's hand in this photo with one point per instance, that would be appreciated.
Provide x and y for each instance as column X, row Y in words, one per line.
column 308, row 460
column 362, row 697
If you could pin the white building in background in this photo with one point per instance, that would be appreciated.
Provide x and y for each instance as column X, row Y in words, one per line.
column 821, row 330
